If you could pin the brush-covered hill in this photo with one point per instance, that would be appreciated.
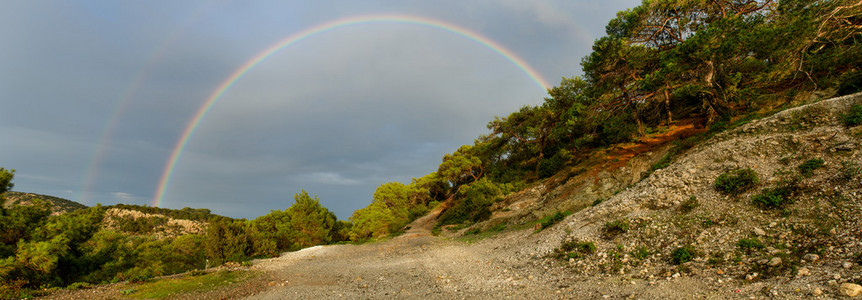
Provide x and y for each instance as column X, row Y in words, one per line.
column 58, row 205
column 772, row 207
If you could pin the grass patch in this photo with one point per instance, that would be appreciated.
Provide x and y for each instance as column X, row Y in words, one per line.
column 171, row 288
column 807, row 168
column 552, row 219
column 737, row 182
column 689, row 205
column 683, row 254
column 853, row 116
column 640, row 252
column 749, row 245
column 773, row 198
column 574, row 249
column 615, row 228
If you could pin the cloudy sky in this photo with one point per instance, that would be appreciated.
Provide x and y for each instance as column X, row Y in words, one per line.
column 94, row 95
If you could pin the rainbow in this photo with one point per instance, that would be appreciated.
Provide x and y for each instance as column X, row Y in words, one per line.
column 177, row 151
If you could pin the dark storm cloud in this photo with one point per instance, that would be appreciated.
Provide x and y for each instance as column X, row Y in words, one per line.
column 336, row 114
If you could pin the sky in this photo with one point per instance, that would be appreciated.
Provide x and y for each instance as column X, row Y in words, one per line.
column 96, row 97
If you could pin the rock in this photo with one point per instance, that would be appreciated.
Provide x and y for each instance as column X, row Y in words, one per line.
column 817, row 292
column 759, row 232
column 847, row 265
column 774, row 261
column 751, row 276
column 850, row 289
column 811, row 257
column 803, row 272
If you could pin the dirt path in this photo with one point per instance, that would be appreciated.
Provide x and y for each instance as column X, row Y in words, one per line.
column 419, row 265
column 415, row 264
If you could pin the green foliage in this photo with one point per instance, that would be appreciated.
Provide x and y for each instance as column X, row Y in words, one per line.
column 749, row 245
column 807, row 168
column 853, row 116
column 472, row 203
column 683, row 254
column 550, row 220
column 641, row 252
column 6, row 180
column 773, row 197
column 227, row 240
column 311, row 222
column 141, row 225
column 574, row 249
column 615, row 228
column 689, row 205
column 736, row 182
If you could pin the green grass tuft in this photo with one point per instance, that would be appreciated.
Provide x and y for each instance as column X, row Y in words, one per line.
column 736, row 182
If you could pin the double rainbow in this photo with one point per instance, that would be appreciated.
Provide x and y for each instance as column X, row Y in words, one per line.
column 177, row 151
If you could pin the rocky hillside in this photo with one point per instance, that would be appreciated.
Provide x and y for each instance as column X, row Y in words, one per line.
column 58, row 205
column 788, row 223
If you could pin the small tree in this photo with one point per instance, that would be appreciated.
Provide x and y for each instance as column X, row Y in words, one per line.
column 311, row 222
column 6, row 179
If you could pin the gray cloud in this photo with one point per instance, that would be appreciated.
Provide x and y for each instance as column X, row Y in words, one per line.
column 336, row 114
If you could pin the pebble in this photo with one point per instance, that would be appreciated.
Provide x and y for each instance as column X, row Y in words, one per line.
column 759, row 231
column 847, row 265
column 850, row 289
column 811, row 257
column 774, row 261
column 803, row 272
column 817, row 292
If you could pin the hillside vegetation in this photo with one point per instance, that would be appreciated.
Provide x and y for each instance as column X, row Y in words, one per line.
column 702, row 66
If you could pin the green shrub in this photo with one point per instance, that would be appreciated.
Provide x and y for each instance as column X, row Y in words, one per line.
column 749, row 245
column 574, row 249
column 553, row 219
column 689, row 205
column 598, row 201
column 612, row 229
column 683, row 254
column 773, row 198
column 736, row 182
column 853, row 116
column 640, row 252
column 807, row 168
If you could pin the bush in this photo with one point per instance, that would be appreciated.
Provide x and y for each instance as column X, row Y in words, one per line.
column 683, row 254
column 853, row 117
column 574, row 249
column 749, row 245
column 807, row 168
column 612, row 229
column 689, row 205
column 736, row 182
column 773, row 198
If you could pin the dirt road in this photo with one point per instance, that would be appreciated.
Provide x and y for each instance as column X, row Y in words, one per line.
column 421, row 266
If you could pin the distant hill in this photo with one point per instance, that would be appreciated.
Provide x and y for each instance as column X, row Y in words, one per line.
column 58, row 205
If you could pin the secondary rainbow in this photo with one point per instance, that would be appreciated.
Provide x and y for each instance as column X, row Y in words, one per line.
column 177, row 151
